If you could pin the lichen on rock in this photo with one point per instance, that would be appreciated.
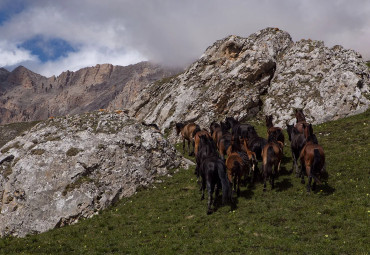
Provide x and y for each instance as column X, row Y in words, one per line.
column 98, row 158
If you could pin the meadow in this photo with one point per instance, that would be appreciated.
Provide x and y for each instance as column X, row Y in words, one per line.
column 169, row 218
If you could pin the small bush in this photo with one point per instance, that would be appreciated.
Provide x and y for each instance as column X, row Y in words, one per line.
column 37, row 151
column 72, row 152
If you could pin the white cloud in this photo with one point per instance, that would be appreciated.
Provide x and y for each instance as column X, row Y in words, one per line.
column 11, row 55
column 87, row 57
column 176, row 32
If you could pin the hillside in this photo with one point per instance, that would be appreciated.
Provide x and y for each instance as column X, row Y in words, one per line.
column 27, row 96
column 169, row 217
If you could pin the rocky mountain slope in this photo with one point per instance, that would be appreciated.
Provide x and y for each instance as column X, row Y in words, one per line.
column 26, row 96
column 266, row 73
column 68, row 168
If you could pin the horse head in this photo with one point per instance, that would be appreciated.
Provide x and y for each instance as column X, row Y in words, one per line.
column 269, row 121
column 179, row 127
column 299, row 115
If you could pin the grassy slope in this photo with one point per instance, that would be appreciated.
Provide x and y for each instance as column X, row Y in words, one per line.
column 169, row 217
column 10, row 131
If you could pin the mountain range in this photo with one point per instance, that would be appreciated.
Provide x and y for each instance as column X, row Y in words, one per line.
column 28, row 96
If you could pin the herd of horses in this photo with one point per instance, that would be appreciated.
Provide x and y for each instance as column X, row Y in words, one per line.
column 227, row 155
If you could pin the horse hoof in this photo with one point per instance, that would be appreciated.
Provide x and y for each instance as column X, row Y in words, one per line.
column 209, row 212
column 264, row 189
column 302, row 181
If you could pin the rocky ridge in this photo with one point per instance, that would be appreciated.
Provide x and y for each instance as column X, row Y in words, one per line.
column 266, row 73
column 69, row 168
column 27, row 96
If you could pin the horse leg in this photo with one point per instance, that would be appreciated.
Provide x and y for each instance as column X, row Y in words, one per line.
column 264, row 176
column 238, row 190
column 203, row 187
column 294, row 162
column 309, row 184
column 183, row 145
column 210, row 189
column 302, row 173
column 189, row 151
column 193, row 152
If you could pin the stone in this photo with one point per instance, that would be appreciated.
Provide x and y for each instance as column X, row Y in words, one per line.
column 69, row 168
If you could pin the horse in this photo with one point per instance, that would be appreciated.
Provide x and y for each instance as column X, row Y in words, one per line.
column 216, row 131
column 196, row 134
column 272, row 154
column 213, row 172
column 235, row 170
column 186, row 131
column 206, row 147
column 301, row 120
column 238, row 163
column 255, row 143
column 271, row 129
column 312, row 160
column 238, row 129
column 297, row 142
column 252, row 158
column 224, row 141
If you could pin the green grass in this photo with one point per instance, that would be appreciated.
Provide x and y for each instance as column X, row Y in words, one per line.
column 170, row 218
column 10, row 131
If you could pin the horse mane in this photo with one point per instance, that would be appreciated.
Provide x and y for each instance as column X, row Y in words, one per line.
column 196, row 130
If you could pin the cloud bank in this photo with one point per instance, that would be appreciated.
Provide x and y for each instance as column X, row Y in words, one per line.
column 172, row 32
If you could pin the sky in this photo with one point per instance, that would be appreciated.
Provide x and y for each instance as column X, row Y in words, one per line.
column 52, row 36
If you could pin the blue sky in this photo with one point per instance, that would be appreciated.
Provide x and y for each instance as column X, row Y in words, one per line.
column 52, row 36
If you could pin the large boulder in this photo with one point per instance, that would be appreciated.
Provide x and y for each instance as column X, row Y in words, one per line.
column 71, row 167
column 228, row 79
column 266, row 73
column 327, row 83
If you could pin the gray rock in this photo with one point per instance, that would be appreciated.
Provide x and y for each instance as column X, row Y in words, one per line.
column 266, row 73
column 69, row 168
column 327, row 83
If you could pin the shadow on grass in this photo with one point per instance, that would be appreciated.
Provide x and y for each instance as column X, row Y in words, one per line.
column 283, row 185
column 324, row 189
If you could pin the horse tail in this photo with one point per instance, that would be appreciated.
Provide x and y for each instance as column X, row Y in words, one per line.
column 315, row 167
column 196, row 130
column 226, row 191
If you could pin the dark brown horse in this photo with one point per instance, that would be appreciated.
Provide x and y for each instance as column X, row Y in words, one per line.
column 301, row 120
column 187, row 133
column 224, row 141
column 197, row 135
column 252, row 158
column 271, row 129
column 236, row 169
column 297, row 142
column 272, row 154
column 312, row 160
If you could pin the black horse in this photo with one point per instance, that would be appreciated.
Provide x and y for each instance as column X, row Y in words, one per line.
column 213, row 172
column 297, row 142
column 256, row 143
column 238, row 129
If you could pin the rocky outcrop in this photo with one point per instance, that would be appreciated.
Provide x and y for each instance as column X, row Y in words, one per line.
column 266, row 73
column 228, row 79
column 327, row 83
column 27, row 96
column 69, row 168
